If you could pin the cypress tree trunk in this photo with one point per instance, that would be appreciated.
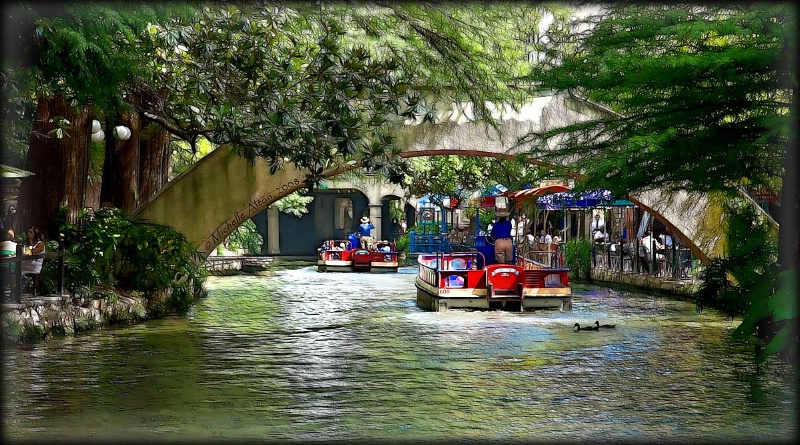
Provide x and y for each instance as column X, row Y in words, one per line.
column 789, row 226
column 155, row 161
column 60, row 166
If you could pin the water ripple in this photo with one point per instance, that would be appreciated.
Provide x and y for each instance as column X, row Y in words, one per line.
column 297, row 354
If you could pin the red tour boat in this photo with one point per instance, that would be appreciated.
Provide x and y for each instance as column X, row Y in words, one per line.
column 464, row 280
column 347, row 256
column 535, row 280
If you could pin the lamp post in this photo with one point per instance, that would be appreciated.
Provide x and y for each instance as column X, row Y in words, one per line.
column 118, row 132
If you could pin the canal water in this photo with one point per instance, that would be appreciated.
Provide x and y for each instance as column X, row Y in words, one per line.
column 300, row 355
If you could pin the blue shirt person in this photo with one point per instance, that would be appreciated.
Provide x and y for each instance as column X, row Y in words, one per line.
column 364, row 230
column 501, row 228
column 503, row 247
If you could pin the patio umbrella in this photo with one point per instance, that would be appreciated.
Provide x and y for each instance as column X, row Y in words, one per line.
column 7, row 171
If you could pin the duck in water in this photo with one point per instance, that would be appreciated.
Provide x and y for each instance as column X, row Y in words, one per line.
column 577, row 327
column 597, row 325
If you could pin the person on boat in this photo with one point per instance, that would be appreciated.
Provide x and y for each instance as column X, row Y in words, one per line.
column 363, row 231
column 501, row 232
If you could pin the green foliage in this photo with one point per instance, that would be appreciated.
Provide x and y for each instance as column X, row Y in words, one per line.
column 748, row 281
column 185, row 155
column 316, row 85
column 395, row 211
column 26, row 332
column 246, row 236
column 694, row 97
column 84, row 324
column 485, row 217
column 462, row 176
column 112, row 251
column 403, row 242
column 750, row 257
column 578, row 258
column 295, row 204
column 703, row 94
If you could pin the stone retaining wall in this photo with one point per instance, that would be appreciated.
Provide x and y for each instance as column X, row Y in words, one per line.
column 683, row 289
column 41, row 317
column 227, row 265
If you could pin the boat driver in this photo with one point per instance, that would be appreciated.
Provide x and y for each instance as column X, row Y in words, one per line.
column 501, row 232
column 363, row 231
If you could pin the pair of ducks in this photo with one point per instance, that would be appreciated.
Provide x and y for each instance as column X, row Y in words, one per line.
column 577, row 327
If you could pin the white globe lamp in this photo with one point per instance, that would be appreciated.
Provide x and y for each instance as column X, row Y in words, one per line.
column 98, row 136
column 122, row 133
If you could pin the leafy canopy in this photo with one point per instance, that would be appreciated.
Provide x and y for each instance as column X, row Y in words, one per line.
column 699, row 96
column 316, row 84
column 462, row 176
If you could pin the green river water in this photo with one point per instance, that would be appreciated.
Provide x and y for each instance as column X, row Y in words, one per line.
column 303, row 356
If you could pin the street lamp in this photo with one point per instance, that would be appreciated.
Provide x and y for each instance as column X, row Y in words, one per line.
column 120, row 132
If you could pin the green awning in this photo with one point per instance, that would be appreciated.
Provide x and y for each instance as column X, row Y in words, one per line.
column 622, row 203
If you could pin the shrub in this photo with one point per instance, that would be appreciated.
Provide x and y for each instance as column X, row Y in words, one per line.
column 577, row 257
column 749, row 264
column 110, row 250
column 403, row 242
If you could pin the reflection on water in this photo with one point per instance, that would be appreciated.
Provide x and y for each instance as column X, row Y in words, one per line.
column 297, row 354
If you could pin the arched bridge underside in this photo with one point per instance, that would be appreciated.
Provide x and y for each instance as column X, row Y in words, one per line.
column 210, row 200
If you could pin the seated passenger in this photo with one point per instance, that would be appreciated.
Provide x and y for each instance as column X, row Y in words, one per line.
column 458, row 264
column 455, row 281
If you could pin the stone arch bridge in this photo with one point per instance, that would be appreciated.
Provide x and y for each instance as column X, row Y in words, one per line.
column 220, row 192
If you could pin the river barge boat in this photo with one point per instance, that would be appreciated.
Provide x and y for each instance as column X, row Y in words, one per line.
column 348, row 256
column 535, row 279
column 464, row 280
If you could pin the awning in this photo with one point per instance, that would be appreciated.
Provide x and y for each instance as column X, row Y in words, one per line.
column 521, row 195
column 567, row 200
column 524, row 196
column 622, row 203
